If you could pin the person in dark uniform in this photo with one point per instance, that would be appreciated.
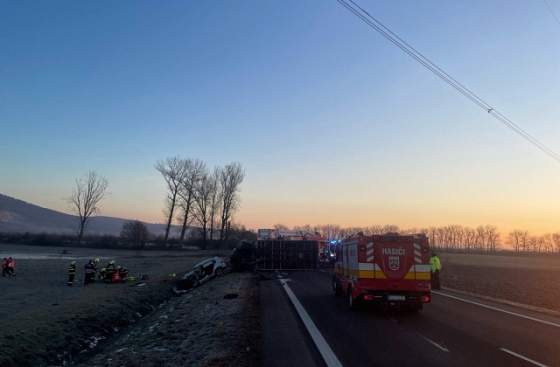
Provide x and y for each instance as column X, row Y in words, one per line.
column 71, row 273
column 108, row 271
column 11, row 267
column 89, row 272
column 123, row 272
column 5, row 267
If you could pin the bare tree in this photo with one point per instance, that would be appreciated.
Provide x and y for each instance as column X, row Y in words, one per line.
column 202, row 195
column 330, row 231
column 524, row 241
column 135, row 232
column 88, row 193
column 194, row 168
column 432, row 235
column 532, row 244
column 304, row 230
column 556, row 241
column 173, row 172
column 215, row 199
column 480, row 238
column 231, row 178
column 390, row 228
column 515, row 238
column 468, row 236
column 442, row 237
column 548, row 244
column 492, row 238
column 373, row 229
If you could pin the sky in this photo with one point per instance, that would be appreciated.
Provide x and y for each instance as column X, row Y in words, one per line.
column 332, row 123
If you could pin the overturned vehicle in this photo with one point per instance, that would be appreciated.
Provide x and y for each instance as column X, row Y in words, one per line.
column 243, row 257
column 201, row 272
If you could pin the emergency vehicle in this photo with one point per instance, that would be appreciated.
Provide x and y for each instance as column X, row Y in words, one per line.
column 391, row 269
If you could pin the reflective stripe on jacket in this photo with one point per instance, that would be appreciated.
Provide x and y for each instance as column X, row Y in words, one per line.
column 90, row 269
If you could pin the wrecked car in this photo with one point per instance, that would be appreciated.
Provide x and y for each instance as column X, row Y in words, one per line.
column 201, row 272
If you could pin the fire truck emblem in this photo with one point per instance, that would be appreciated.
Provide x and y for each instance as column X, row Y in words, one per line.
column 394, row 263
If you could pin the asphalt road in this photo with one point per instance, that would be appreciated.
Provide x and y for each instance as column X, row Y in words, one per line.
column 448, row 332
column 285, row 339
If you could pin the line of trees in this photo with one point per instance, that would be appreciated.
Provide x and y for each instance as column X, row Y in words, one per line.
column 209, row 199
column 483, row 238
column 523, row 241
column 196, row 195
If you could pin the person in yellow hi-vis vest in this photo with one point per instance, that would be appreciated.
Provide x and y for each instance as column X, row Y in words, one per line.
column 435, row 265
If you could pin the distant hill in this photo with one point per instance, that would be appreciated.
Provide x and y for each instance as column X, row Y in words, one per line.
column 17, row 216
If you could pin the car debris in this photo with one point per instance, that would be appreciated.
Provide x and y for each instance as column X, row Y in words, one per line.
column 201, row 272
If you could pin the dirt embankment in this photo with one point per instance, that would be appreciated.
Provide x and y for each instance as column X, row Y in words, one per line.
column 201, row 328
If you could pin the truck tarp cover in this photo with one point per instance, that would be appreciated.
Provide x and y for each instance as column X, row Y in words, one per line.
column 286, row 255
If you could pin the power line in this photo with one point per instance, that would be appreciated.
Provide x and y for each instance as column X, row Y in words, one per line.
column 551, row 11
column 392, row 37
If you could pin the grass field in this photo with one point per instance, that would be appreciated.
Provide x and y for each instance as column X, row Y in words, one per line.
column 38, row 309
column 532, row 280
column 539, row 262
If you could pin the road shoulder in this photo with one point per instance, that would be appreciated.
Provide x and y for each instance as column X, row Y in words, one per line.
column 285, row 340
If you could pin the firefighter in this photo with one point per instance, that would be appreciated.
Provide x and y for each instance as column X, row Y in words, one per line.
column 11, row 267
column 5, row 267
column 89, row 272
column 435, row 265
column 108, row 271
column 123, row 272
column 71, row 273
column 111, row 266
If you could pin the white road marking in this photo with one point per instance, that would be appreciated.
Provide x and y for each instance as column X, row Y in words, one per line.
column 523, row 357
column 438, row 346
column 550, row 323
column 326, row 352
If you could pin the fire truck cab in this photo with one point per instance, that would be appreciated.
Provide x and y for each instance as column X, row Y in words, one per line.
column 391, row 269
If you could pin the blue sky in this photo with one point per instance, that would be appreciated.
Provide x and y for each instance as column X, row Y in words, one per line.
column 332, row 123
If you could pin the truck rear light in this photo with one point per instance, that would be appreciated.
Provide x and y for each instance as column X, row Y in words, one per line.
column 371, row 297
column 425, row 298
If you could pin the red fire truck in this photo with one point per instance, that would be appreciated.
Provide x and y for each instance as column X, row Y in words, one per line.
column 392, row 269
